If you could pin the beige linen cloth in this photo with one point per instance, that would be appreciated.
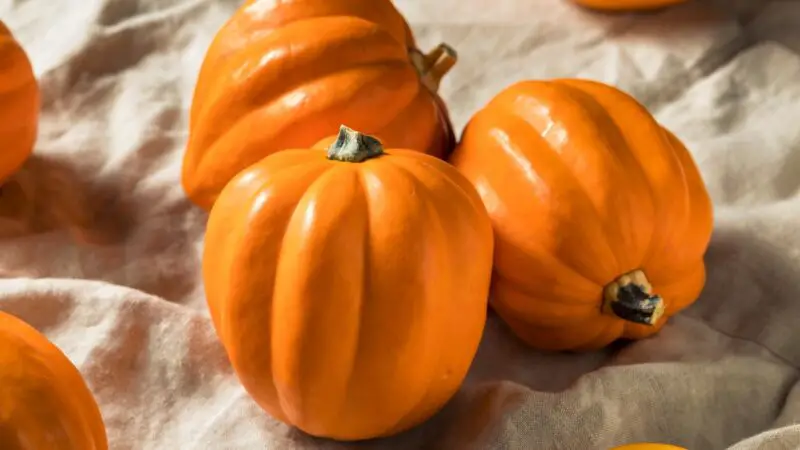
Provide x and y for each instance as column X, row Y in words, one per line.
column 105, row 258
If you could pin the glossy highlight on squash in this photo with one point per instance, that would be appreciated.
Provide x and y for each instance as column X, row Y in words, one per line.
column 44, row 402
column 285, row 74
column 19, row 105
column 349, row 287
column 601, row 217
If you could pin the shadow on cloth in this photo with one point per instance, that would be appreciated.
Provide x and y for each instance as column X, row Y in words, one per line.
column 751, row 292
column 46, row 195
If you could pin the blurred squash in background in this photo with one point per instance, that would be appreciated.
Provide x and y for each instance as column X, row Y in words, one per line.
column 627, row 5
column 19, row 105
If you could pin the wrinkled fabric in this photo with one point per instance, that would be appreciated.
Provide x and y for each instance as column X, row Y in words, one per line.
column 101, row 251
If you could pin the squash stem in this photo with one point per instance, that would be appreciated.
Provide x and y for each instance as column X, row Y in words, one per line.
column 630, row 298
column 353, row 146
column 434, row 65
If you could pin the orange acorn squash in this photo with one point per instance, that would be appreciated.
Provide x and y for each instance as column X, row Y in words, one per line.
column 627, row 5
column 601, row 217
column 19, row 108
column 349, row 288
column 44, row 402
column 285, row 74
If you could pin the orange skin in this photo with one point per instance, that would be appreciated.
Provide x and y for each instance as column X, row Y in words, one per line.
column 628, row 5
column 19, row 105
column 583, row 185
column 350, row 297
column 285, row 74
column 44, row 402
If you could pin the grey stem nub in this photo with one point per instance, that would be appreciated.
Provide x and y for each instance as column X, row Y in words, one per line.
column 352, row 146
column 630, row 297
column 635, row 305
